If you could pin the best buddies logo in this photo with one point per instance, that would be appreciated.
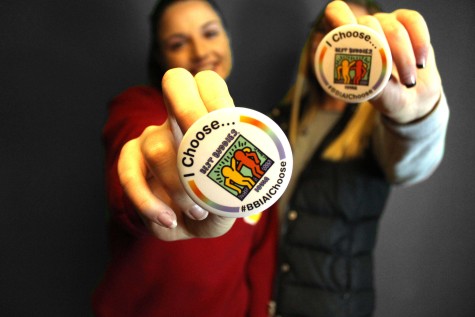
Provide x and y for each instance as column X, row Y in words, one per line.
column 235, row 162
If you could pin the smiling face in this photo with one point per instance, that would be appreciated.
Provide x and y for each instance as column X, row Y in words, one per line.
column 192, row 36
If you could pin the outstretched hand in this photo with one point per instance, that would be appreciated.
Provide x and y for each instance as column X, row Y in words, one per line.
column 415, row 85
column 147, row 165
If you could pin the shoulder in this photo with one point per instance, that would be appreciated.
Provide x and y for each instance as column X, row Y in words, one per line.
column 138, row 101
column 139, row 92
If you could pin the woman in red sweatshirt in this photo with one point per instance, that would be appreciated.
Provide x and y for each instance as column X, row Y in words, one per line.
column 229, row 275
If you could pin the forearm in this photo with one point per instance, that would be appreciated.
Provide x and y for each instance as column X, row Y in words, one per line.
column 410, row 153
column 129, row 114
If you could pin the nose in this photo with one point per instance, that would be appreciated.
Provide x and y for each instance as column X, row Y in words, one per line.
column 200, row 49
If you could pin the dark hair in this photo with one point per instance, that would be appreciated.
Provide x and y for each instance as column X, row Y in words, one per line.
column 155, row 66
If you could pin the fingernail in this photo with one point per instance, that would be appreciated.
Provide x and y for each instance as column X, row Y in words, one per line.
column 411, row 82
column 421, row 65
column 167, row 219
column 197, row 213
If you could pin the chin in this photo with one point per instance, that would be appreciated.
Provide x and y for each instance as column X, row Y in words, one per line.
column 224, row 73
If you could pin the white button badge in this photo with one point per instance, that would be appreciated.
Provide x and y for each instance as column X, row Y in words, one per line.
column 235, row 162
column 353, row 63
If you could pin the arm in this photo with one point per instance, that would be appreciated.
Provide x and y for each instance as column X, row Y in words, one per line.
column 409, row 153
column 129, row 114
column 254, row 157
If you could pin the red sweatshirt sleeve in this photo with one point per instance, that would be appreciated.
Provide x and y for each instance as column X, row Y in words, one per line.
column 129, row 114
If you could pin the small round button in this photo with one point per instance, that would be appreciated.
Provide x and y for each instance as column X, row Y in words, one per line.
column 353, row 63
column 293, row 215
column 285, row 267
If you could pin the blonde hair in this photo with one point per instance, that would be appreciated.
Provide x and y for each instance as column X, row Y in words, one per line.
column 352, row 142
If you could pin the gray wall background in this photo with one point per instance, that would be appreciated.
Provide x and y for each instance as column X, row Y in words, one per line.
column 61, row 61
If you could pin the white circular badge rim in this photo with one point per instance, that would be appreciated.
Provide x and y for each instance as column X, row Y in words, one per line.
column 250, row 125
column 324, row 64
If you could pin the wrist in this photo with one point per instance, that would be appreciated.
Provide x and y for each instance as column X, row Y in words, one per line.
column 417, row 116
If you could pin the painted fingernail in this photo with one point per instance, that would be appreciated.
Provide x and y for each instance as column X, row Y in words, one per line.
column 167, row 219
column 197, row 212
column 421, row 65
column 411, row 82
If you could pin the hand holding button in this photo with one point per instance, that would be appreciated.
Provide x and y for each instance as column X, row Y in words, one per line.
column 414, row 87
column 147, row 165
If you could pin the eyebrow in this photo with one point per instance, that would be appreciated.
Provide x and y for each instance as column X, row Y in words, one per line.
column 210, row 23
column 183, row 36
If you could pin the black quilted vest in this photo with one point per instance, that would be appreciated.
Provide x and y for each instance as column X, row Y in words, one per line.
column 329, row 234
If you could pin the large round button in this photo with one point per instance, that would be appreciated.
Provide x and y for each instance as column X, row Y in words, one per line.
column 235, row 162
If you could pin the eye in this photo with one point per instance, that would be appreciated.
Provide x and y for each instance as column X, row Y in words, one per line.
column 175, row 44
column 211, row 30
column 211, row 33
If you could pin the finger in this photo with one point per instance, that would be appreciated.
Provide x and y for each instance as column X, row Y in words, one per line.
column 418, row 32
column 132, row 172
column 401, row 48
column 160, row 157
column 371, row 22
column 213, row 90
column 212, row 226
column 338, row 13
column 182, row 97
